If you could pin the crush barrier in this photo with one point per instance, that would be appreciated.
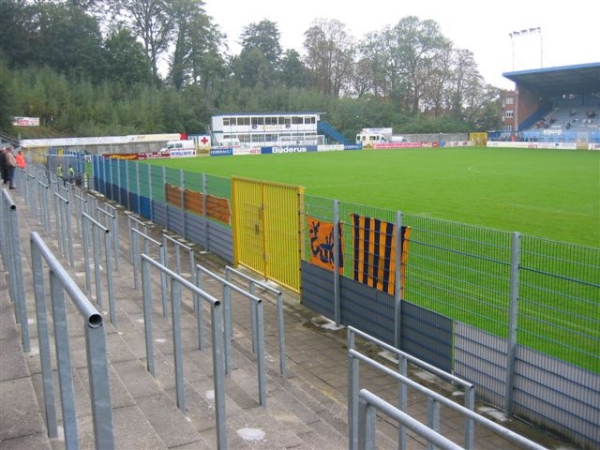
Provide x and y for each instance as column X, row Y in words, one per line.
column 96, row 350
column 358, row 437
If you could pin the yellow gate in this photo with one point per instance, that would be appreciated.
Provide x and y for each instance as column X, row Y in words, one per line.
column 266, row 229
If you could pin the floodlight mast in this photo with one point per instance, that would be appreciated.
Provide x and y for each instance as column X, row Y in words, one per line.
column 525, row 32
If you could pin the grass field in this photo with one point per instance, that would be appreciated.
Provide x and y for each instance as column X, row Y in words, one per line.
column 553, row 194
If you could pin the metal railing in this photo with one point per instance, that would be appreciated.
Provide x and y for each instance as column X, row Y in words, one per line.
column 90, row 225
column 177, row 283
column 96, row 351
column 404, row 359
column 434, row 401
column 179, row 247
column 252, row 285
column 370, row 403
column 10, row 251
column 257, row 326
column 134, row 245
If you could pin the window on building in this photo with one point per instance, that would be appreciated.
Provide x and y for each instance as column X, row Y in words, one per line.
column 508, row 114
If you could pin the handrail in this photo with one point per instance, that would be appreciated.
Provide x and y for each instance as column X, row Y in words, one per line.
column 96, row 351
column 257, row 326
column 10, row 251
column 178, row 247
column 134, row 248
column 370, row 403
column 403, row 360
column 96, row 229
column 177, row 282
column 433, row 396
column 280, row 322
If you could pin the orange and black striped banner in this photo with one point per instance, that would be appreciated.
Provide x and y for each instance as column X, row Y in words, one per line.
column 322, row 245
column 375, row 253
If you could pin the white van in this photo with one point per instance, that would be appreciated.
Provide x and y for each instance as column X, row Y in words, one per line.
column 368, row 139
column 178, row 146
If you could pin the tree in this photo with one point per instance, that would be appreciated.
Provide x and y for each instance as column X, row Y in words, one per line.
column 16, row 32
column 68, row 40
column 151, row 21
column 293, row 71
column 418, row 46
column 252, row 69
column 126, row 62
column 197, row 58
column 264, row 36
column 258, row 63
column 6, row 98
column 330, row 56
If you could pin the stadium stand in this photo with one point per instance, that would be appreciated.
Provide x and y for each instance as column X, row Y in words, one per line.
column 559, row 104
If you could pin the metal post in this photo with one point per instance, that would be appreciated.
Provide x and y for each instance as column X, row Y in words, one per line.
column 204, row 212
column 398, row 294
column 513, row 316
column 177, row 344
column 336, row 263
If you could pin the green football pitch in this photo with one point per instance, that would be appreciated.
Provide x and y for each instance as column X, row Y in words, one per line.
column 552, row 194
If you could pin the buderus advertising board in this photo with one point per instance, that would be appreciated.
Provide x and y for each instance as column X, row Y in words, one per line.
column 288, row 149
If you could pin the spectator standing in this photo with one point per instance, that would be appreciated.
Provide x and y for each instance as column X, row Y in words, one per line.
column 11, row 165
column 21, row 163
column 71, row 173
column 3, row 171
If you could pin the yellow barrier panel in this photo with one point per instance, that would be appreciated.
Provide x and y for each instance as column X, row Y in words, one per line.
column 266, row 229
column 479, row 139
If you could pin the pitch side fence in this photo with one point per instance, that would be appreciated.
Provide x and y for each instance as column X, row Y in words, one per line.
column 516, row 315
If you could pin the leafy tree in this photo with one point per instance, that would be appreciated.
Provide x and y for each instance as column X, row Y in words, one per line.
column 6, row 97
column 196, row 57
column 151, row 21
column 330, row 56
column 293, row 71
column 258, row 63
column 419, row 46
column 126, row 63
column 264, row 36
column 58, row 67
column 252, row 69
column 17, row 30
column 68, row 40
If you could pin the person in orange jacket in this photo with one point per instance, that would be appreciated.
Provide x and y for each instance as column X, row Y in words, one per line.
column 21, row 163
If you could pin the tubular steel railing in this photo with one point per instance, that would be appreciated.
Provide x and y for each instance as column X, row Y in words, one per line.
column 434, row 400
column 177, row 283
column 252, row 285
column 96, row 351
column 90, row 225
column 134, row 245
column 257, row 326
column 370, row 403
column 403, row 360
column 10, row 250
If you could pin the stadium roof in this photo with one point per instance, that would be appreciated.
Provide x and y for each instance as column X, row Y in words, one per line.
column 577, row 79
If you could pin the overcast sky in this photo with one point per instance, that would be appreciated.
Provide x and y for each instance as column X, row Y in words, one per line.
column 570, row 31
